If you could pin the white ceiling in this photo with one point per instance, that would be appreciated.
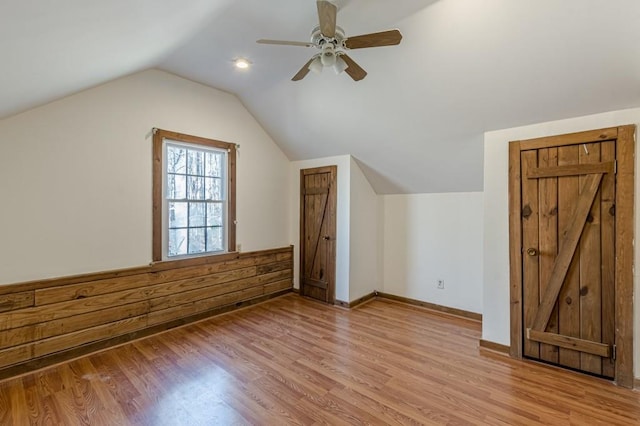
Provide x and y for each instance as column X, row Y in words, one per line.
column 415, row 124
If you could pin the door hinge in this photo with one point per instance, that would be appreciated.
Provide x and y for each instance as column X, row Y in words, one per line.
column 615, row 167
column 614, row 352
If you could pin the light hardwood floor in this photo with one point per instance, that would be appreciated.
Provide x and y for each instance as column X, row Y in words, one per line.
column 295, row 361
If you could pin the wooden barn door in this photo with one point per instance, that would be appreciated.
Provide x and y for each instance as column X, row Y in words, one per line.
column 317, row 233
column 567, row 220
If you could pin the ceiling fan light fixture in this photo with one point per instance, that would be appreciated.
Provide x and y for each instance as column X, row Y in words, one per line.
column 328, row 57
column 340, row 65
column 316, row 65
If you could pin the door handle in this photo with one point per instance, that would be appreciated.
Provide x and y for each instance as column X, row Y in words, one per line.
column 326, row 238
column 532, row 252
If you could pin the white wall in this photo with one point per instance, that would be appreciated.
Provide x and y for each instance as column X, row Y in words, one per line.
column 75, row 175
column 365, row 273
column 495, row 325
column 428, row 237
column 342, row 218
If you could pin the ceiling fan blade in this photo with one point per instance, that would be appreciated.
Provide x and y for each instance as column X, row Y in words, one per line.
column 354, row 70
column 327, row 12
column 303, row 71
column 384, row 38
column 286, row 43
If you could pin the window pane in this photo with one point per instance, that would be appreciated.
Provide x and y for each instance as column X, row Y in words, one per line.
column 213, row 188
column 214, row 164
column 214, row 214
column 195, row 163
column 176, row 187
column 177, row 242
column 196, row 240
column 195, row 188
column 178, row 215
column 196, row 214
column 214, row 239
column 176, row 159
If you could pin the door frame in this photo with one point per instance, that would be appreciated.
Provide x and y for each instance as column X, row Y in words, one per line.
column 332, row 206
column 624, row 235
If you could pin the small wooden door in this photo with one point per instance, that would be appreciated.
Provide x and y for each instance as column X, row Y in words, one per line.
column 317, row 233
column 568, row 229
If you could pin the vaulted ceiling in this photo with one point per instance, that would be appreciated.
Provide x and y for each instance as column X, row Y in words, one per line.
column 415, row 123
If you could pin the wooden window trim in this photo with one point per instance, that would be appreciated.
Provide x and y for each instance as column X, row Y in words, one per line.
column 624, row 224
column 158, row 137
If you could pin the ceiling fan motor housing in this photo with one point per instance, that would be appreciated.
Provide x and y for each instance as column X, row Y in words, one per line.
column 320, row 40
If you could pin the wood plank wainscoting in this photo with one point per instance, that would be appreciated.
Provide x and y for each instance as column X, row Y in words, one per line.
column 47, row 321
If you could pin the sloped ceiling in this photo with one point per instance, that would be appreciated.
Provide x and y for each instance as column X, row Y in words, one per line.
column 415, row 124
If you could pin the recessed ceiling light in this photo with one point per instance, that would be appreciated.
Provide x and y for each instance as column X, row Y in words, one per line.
column 241, row 63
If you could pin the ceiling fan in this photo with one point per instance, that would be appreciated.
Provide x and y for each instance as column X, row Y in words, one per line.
column 332, row 43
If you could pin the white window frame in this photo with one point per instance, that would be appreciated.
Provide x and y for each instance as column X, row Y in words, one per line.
column 165, row 205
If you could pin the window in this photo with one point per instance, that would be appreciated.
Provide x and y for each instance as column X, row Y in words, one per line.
column 193, row 196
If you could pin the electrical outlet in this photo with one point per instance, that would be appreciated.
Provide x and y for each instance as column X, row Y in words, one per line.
column 441, row 284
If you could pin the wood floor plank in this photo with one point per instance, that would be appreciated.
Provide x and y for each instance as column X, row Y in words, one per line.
column 295, row 361
column 19, row 407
